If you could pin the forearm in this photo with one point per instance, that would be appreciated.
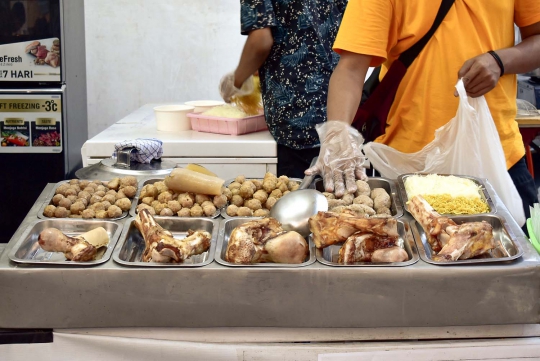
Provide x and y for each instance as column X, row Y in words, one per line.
column 525, row 56
column 256, row 49
column 346, row 84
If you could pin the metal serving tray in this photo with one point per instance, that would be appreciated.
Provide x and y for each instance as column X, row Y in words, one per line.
column 225, row 230
column 129, row 250
column 507, row 249
column 229, row 181
column 28, row 251
column 50, row 196
column 376, row 182
column 329, row 255
column 135, row 203
column 484, row 193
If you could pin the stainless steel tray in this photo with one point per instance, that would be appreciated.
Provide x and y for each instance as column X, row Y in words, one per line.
column 131, row 246
column 330, row 255
column 229, row 181
column 50, row 196
column 135, row 203
column 507, row 249
column 225, row 230
column 28, row 251
column 377, row 182
column 484, row 191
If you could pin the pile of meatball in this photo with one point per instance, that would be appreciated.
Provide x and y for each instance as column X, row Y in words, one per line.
column 92, row 199
column 366, row 202
column 161, row 201
column 255, row 197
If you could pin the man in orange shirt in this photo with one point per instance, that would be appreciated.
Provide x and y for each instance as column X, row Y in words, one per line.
column 376, row 32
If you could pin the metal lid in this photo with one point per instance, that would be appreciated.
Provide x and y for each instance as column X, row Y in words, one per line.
column 122, row 166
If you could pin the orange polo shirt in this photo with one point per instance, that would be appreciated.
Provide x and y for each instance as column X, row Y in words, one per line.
column 425, row 98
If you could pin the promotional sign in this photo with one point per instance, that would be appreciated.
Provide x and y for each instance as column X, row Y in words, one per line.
column 37, row 60
column 31, row 123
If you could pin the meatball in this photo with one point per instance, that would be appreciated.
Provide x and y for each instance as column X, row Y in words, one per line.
column 246, row 190
column 49, row 211
column 184, row 212
column 120, row 194
column 284, row 179
column 102, row 214
column 145, row 200
column 128, row 181
column 232, row 210
column 61, row 212
column 174, row 206
column 348, row 198
column 196, row 211
column 375, row 192
column 253, row 204
column 114, row 212
column 98, row 206
column 146, row 206
column 77, row 208
column 384, row 211
column 159, row 207
column 270, row 203
column 329, row 195
column 83, row 201
column 240, row 179
column 220, row 201
column 201, row 198
column 57, row 198
column 276, row 193
column 185, row 200
column 73, row 181
column 161, row 187
column 114, row 183
column 100, row 193
column 227, row 193
column 65, row 202
column 123, row 203
column 109, row 198
column 130, row 191
column 70, row 191
column 88, row 213
column 282, row 187
column 244, row 212
column 149, row 190
column 251, row 184
column 362, row 188
column 164, row 197
column 166, row 212
column 206, row 203
column 85, row 195
column 261, row 213
column 237, row 200
column 83, row 183
column 364, row 199
column 260, row 195
column 381, row 201
column 106, row 204
column 101, row 188
column 291, row 185
column 61, row 189
column 269, row 184
column 209, row 209
column 234, row 185
column 95, row 199
column 257, row 183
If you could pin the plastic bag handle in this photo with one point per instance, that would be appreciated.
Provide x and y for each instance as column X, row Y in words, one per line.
column 463, row 97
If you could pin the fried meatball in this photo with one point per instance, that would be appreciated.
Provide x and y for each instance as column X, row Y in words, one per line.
column 234, row 185
column 227, row 193
column 209, row 209
column 384, row 211
column 232, row 210
column 88, row 213
column 123, row 203
column 114, row 211
column 269, row 184
column 129, row 191
column 240, row 179
column 102, row 214
column 362, row 188
column 61, row 189
column 332, row 203
column 149, row 190
column 166, row 212
column 284, row 179
column 77, row 208
column 128, row 181
column 206, row 203
column 261, row 213
column 276, row 193
column 101, row 188
column 253, row 204
column 72, row 198
column 57, row 198
column 174, row 206
column 348, row 198
column 159, row 207
column 201, row 198
column 375, row 192
column 257, row 183
column 184, row 212
column 364, row 199
column 98, row 206
column 185, row 200
column 196, row 211
column 65, row 202
column 109, row 198
column 247, row 190
column 161, row 186
column 114, row 183
column 49, row 211
column 282, row 187
column 292, row 185
column 154, row 203
column 237, row 200
column 261, row 195
column 83, row 183
column 145, row 200
column 95, row 199
column 244, row 212
column 251, row 184
column 164, row 197
column 235, row 191
column 85, row 195
column 120, row 194
column 381, row 201
column 270, row 203
column 220, row 201
column 73, row 181
column 97, row 182
column 146, row 206
column 70, row 191
column 90, row 190
column 100, row 193
column 61, row 212
column 106, row 204
column 329, row 195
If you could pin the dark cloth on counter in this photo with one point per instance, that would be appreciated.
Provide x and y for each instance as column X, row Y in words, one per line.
column 293, row 162
column 526, row 187
column 295, row 76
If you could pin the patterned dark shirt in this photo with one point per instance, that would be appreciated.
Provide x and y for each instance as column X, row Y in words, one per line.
column 295, row 76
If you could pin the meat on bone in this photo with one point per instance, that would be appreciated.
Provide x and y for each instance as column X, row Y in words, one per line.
column 75, row 249
column 162, row 247
column 368, row 247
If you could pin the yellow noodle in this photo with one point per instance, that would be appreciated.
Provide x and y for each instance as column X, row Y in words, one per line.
column 446, row 204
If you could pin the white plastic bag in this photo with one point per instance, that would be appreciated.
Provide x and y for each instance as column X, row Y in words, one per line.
column 467, row 145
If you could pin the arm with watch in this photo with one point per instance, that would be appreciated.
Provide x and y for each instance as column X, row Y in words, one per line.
column 481, row 73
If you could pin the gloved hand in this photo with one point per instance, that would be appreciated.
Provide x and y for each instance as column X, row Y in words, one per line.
column 228, row 90
column 340, row 158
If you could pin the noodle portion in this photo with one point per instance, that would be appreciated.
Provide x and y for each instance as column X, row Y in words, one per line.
column 446, row 204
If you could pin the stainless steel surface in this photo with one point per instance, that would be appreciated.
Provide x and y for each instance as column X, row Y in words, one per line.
column 136, row 200
column 329, row 255
column 48, row 201
column 507, row 250
column 225, row 230
column 229, row 181
column 131, row 246
column 28, row 251
column 484, row 192
column 294, row 209
column 421, row 295
column 389, row 185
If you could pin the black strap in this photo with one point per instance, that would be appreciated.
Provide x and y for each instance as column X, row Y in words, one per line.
column 408, row 56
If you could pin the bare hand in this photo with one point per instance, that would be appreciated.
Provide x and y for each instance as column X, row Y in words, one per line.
column 480, row 74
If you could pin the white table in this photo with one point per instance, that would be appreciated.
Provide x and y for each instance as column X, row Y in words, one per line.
column 226, row 155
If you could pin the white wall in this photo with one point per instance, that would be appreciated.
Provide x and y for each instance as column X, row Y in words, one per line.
column 154, row 51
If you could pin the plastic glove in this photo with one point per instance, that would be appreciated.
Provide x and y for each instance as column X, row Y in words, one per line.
column 228, row 90
column 341, row 159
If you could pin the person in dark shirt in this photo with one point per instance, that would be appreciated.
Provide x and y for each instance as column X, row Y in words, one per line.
column 290, row 43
